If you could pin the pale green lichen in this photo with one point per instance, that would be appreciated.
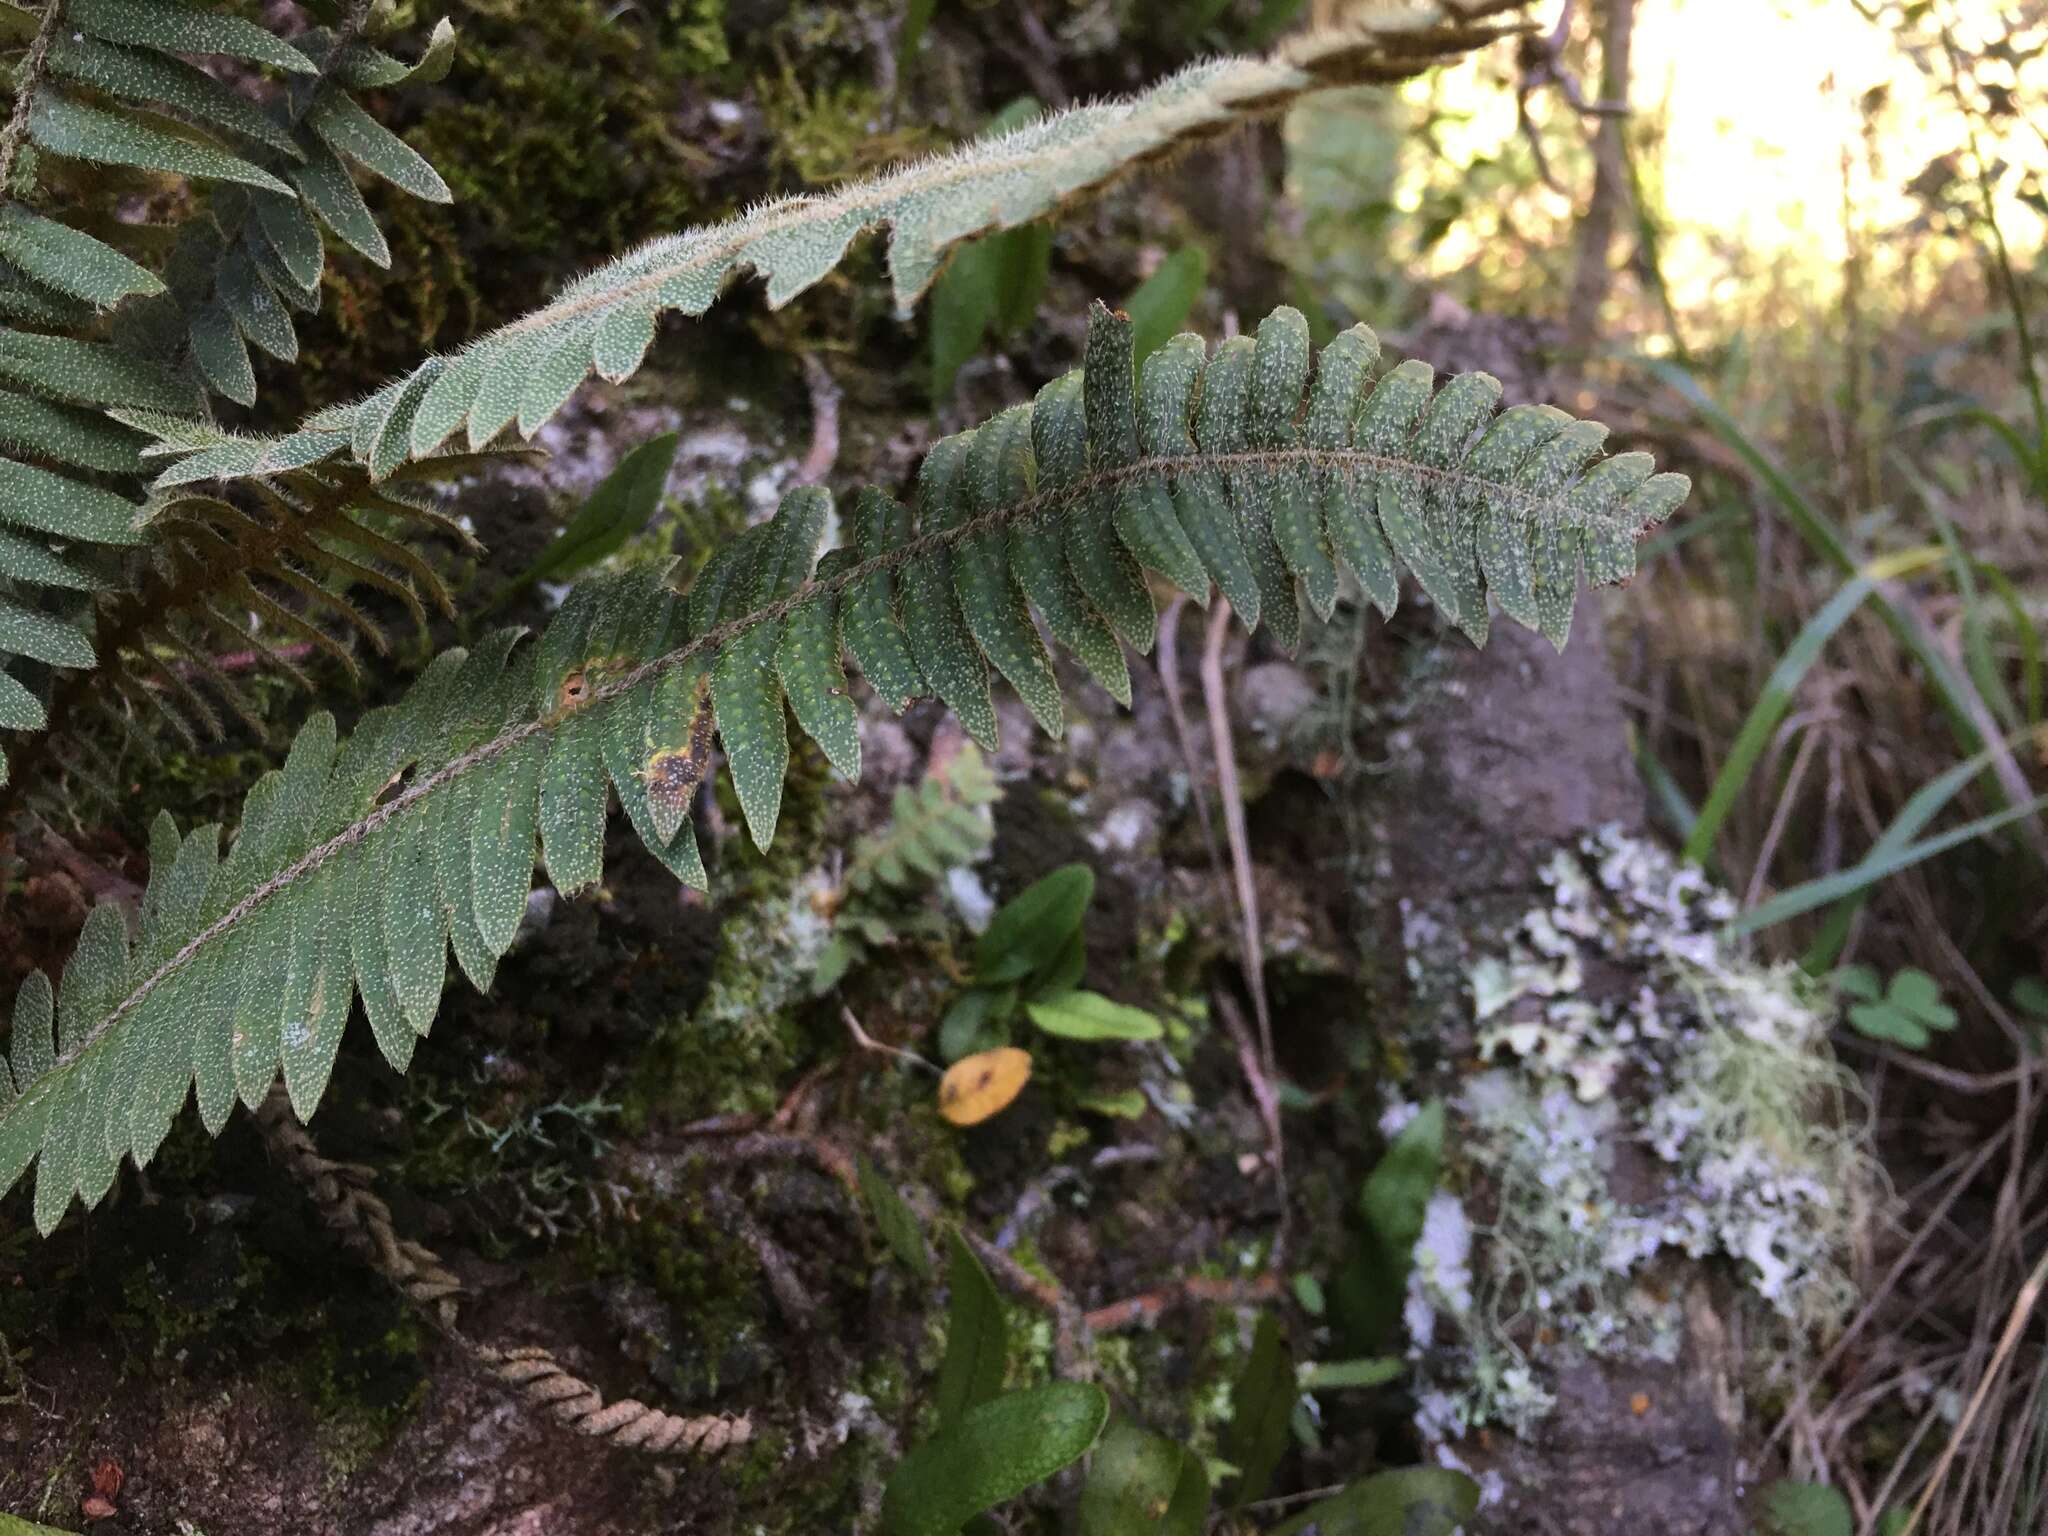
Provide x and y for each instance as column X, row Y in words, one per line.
column 1714, row 1073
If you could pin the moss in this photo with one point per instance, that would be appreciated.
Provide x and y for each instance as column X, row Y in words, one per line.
column 361, row 1384
column 836, row 130
column 734, row 1052
column 697, row 1327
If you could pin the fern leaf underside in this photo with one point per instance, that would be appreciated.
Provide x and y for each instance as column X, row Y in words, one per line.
column 360, row 865
column 522, row 374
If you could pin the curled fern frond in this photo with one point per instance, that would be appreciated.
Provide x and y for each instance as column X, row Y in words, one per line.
column 360, row 865
column 90, row 330
column 521, row 374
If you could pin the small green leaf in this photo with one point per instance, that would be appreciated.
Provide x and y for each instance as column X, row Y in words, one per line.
column 25, row 632
column 1882, row 1021
column 973, row 1023
column 10, row 1526
column 1413, row 1501
column 991, row 283
column 1188, row 1513
column 2030, row 996
column 1030, row 930
column 963, row 306
column 369, row 69
column 332, row 193
column 893, row 1219
column 70, row 260
column 1066, row 970
column 993, row 1454
column 1805, row 1509
column 1308, row 1292
column 1397, row 1191
column 619, row 508
column 977, row 1337
column 1160, row 305
column 175, row 28
column 1131, row 1482
column 1027, row 263
column 1916, row 994
column 1261, row 1407
column 351, row 131
column 1128, row 1105
column 157, row 79
column 1091, row 1016
column 78, row 132
column 1859, row 981
column 1332, row 1375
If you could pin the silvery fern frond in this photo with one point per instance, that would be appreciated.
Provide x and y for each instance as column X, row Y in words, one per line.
column 1260, row 470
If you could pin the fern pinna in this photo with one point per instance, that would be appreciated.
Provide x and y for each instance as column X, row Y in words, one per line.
column 359, row 865
column 91, row 575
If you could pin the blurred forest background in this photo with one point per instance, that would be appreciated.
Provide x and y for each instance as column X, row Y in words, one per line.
column 1798, row 247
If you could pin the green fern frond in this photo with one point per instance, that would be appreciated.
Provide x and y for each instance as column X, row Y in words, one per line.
column 943, row 823
column 604, row 322
column 92, row 330
column 359, row 865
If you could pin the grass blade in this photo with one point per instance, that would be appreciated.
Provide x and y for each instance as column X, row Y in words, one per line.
column 1926, row 803
column 1818, row 893
column 1778, row 692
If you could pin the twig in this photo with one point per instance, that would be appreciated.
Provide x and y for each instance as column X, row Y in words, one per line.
column 1169, row 682
column 1962, row 1082
column 249, row 661
column 1781, row 816
column 2015, row 1325
column 1868, row 1311
column 825, row 397
column 868, row 1042
column 26, row 81
column 1143, row 1311
column 1268, row 1103
column 1250, row 946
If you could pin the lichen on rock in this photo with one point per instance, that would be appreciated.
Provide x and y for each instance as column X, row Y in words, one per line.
column 1641, row 1094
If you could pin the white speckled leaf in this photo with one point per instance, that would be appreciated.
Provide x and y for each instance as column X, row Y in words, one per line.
column 78, row 132
column 70, row 260
column 178, row 28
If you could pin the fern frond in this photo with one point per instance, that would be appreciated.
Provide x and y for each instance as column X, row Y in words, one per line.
column 521, row 374
column 93, row 330
column 943, row 823
column 278, row 560
column 360, row 865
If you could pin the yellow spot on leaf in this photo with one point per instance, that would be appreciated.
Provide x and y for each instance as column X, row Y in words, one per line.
column 984, row 1084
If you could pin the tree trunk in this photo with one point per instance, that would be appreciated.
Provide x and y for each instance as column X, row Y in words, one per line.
column 1594, row 273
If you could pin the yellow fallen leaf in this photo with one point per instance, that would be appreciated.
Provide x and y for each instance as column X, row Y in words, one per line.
column 983, row 1084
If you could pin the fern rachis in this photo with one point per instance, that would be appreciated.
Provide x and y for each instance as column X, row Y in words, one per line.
column 359, row 865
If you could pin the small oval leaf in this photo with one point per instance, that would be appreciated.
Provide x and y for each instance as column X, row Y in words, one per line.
column 984, row 1084
column 993, row 1454
column 1091, row 1016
